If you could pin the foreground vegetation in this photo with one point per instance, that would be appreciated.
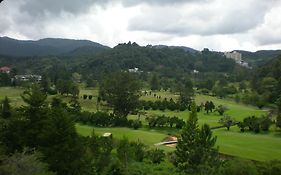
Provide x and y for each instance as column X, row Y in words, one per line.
column 233, row 142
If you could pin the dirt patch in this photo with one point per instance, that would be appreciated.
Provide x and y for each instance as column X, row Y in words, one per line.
column 171, row 145
column 171, row 138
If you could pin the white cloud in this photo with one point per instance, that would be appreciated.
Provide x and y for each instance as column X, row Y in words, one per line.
column 270, row 32
column 216, row 24
column 217, row 17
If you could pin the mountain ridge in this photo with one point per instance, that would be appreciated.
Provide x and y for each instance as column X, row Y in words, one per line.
column 43, row 47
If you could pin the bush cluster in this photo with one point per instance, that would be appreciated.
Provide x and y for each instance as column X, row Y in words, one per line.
column 255, row 124
column 163, row 105
column 104, row 119
column 162, row 120
column 85, row 96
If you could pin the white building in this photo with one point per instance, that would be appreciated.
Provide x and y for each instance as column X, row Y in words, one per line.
column 135, row 70
column 234, row 55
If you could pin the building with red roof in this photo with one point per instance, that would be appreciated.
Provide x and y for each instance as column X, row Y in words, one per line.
column 5, row 69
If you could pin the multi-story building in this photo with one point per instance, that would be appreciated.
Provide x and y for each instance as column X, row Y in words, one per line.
column 234, row 55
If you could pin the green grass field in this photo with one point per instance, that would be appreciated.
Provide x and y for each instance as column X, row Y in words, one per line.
column 13, row 94
column 149, row 137
column 263, row 146
column 260, row 147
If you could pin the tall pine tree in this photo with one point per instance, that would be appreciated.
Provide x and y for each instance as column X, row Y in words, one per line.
column 195, row 153
column 63, row 149
column 35, row 115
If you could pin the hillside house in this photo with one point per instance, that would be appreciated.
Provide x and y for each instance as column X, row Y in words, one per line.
column 5, row 70
column 36, row 78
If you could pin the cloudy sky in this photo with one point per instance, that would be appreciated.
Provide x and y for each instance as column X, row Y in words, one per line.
column 222, row 25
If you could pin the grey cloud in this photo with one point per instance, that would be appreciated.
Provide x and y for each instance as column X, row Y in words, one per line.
column 264, row 39
column 41, row 7
column 201, row 20
column 54, row 7
column 5, row 17
column 4, row 25
column 269, row 33
column 158, row 2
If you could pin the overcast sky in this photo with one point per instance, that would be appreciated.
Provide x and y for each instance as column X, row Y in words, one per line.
column 222, row 25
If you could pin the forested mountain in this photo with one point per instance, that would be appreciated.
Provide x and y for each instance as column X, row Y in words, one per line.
column 267, row 79
column 166, row 61
column 43, row 47
column 272, row 68
column 94, row 60
column 187, row 49
column 260, row 57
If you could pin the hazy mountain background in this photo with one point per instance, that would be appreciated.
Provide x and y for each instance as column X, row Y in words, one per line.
column 47, row 46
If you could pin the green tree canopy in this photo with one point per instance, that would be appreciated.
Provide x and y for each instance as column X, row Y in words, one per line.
column 122, row 92
column 24, row 164
column 154, row 83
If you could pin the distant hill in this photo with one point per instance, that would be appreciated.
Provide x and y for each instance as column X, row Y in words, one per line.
column 86, row 51
column 186, row 49
column 43, row 47
column 166, row 61
column 260, row 57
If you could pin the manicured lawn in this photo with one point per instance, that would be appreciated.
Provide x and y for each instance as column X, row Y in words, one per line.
column 149, row 137
column 262, row 147
column 13, row 93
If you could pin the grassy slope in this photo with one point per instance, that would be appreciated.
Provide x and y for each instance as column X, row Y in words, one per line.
column 259, row 147
column 148, row 137
column 235, row 110
column 247, row 145
column 13, row 94
column 262, row 147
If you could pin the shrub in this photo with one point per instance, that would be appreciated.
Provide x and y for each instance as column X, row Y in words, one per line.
column 138, row 150
column 239, row 167
column 136, row 124
column 85, row 96
column 221, row 109
column 156, row 156
column 265, row 123
column 242, row 126
column 90, row 97
column 273, row 167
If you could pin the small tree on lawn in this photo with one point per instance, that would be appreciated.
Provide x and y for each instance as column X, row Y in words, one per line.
column 122, row 92
column 227, row 121
column 221, row 109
